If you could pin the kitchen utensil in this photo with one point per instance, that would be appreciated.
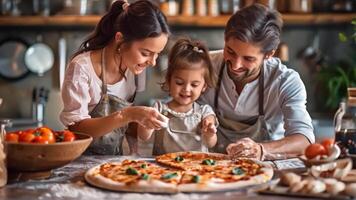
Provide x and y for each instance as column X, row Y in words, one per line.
column 62, row 54
column 5, row 7
column 32, row 157
column 311, row 55
column 39, row 58
column 12, row 65
column 39, row 101
column 15, row 11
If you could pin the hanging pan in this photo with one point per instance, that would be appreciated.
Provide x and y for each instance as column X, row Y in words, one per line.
column 39, row 58
column 12, row 58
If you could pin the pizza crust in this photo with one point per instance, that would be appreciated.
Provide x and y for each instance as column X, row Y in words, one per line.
column 93, row 177
column 154, row 186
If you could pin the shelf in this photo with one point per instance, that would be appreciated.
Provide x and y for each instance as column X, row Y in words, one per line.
column 206, row 21
column 288, row 19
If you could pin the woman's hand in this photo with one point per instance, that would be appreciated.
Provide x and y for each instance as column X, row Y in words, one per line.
column 147, row 117
column 247, row 148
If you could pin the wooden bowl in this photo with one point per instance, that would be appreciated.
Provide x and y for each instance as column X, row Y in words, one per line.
column 30, row 157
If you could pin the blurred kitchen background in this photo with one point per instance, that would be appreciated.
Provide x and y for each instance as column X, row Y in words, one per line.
column 53, row 29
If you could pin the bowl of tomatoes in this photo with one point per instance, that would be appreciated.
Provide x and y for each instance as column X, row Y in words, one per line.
column 321, row 153
column 43, row 149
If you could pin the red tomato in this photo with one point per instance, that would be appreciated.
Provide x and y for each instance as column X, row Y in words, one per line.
column 46, row 134
column 314, row 150
column 27, row 136
column 12, row 137
column 65, row 136
column 327, row 143
column 40, row 139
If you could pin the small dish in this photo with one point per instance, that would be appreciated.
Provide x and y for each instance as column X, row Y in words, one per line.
column 311, row 162
column 336, row 169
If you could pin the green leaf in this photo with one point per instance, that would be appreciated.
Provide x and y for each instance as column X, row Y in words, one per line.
column 237, row 171
column 342, row 37
column 179, row 159
column 131, row 171
column 145, row 176
column 144, row 166
column 208, row 162
column 196, row 179
column 169, row 175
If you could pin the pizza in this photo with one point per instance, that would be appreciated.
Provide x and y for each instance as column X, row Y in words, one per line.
column 180, row 172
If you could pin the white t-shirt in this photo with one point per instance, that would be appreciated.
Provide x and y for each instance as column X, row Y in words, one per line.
column 284, row 99
column 81, row 90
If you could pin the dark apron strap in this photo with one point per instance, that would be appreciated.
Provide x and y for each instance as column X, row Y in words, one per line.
column 260, row 89
column 104, row 88
column 217, row 91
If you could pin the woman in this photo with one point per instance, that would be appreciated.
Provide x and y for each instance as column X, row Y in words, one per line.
column 103, row 76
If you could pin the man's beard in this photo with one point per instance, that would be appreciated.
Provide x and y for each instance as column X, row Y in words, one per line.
column 243, row 77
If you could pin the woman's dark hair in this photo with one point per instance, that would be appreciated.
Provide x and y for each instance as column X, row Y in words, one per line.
column 183, row 54
column 138, row 21
column 256, row 24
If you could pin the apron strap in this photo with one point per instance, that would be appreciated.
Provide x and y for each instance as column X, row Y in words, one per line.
column 261, row 91
column 216, row 98
column 104, row 87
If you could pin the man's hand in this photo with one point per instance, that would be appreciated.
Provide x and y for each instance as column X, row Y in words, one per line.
column 208, row 128
column 245, row 147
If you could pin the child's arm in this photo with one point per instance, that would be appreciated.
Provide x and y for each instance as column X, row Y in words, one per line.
column 144, row 133
column 208, row 131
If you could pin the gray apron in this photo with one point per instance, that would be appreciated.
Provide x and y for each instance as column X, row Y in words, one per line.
column 182, row 139
column 110, row 143
column 229, row 131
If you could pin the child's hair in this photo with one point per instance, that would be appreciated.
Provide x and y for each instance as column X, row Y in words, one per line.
column 183, row 54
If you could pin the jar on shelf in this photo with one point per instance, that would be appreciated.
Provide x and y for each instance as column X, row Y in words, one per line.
column 187, row 7
column 200, row 7
column 213, row 8
column 345, row 125
column 300, row 6
column 228, row 7
column 169, row 7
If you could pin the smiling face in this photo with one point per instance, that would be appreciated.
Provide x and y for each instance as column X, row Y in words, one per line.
column 141, row 54
column 244, row 60
column 186, row 85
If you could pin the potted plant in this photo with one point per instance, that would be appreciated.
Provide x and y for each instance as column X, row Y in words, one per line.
column 335, row 79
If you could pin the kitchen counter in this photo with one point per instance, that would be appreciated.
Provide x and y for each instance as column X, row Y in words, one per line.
column 68, row 183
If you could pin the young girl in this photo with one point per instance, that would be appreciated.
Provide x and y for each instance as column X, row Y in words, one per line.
column 191, row 127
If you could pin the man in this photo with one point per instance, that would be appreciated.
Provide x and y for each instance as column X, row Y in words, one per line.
column 260, row 103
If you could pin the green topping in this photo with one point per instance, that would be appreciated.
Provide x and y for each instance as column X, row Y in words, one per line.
column 145, row 176
column 131, row 171
column 196, row 179
column 169, row 175
column 179, row 159
column 144, row 166
column 237, row 171
column 208, row 162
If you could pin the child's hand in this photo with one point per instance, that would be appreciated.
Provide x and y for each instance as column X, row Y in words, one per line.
column 208, row 126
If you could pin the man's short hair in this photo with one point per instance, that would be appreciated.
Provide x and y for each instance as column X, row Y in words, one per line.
column 256, row 24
